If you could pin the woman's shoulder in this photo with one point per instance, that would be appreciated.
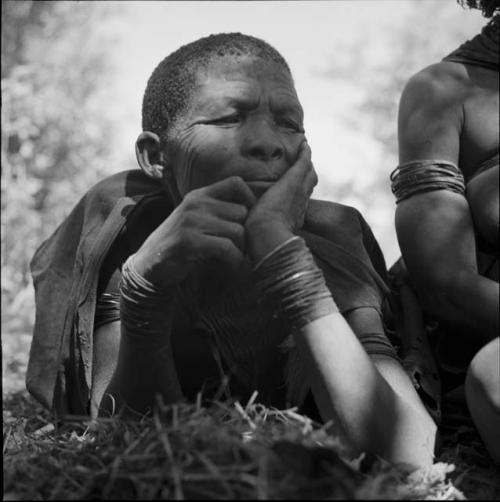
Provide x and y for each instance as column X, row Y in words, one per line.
column 131, row 183
column 346, row 226
column 329, row 211
column 440, row 84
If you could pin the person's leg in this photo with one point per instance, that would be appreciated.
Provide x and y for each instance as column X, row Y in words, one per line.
column 482, row 390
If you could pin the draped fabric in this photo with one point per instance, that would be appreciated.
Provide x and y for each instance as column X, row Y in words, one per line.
column 482, row 50
column 65, row 274
column 66, row 271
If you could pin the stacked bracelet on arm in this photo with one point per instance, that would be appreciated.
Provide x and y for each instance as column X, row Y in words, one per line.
column 143, row 307
column 289, row 279
column 425, row 176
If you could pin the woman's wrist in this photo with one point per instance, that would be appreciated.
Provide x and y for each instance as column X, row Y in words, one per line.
column 144, row 266
column 163, row 269
column 144, row 306
column 265, row 236
column 291, row 282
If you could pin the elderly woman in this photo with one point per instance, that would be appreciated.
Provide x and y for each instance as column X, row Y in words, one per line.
column 447, row 217
column 213, row 265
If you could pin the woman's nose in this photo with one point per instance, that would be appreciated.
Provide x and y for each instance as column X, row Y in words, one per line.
column 263, row 143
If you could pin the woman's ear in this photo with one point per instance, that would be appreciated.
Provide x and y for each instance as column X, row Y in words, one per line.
column 149, row 154
column 155, row 164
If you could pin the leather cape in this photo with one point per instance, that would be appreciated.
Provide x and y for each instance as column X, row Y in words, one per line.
column 65, row 271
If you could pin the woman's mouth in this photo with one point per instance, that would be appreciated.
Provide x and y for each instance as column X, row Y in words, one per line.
column 260, row 186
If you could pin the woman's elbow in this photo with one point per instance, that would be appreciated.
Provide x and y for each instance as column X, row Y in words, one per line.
column 438, row 299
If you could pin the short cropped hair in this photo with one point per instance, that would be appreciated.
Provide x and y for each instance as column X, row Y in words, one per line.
column 171, row 84
column 487, row 7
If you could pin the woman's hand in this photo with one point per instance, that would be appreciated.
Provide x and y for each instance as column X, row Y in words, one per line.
column 280, row 211
column 207, row 225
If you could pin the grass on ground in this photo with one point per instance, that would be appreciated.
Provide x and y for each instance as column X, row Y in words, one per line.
column 224, row 450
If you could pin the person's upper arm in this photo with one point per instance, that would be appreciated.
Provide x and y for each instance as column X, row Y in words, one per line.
column 430, row 117
column 434, row 229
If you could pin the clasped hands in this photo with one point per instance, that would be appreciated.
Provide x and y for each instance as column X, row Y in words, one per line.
column 224, row 222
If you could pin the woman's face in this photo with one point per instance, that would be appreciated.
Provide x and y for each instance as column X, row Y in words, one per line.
column 244, row 120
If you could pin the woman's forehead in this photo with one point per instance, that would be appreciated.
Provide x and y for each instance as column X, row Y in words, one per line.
column 243, row 67
column 243, row 78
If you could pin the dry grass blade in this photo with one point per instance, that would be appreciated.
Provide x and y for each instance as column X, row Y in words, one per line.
column 190, row 451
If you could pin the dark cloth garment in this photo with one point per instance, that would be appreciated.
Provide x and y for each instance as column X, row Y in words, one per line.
column 482, row 50
column 253, row 347
column 65, row 273
column 125, row 209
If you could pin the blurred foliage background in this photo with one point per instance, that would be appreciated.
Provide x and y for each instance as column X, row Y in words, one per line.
column 59, row 136
column 55, row 132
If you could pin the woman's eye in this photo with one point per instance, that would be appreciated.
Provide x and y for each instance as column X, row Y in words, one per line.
column 229, row 119
column 289, row 124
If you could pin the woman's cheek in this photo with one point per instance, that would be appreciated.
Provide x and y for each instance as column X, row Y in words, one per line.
column 292, row 146
column 185, row 157
column 210, row 159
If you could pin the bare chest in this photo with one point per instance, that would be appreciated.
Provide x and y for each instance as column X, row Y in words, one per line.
column 480, row 134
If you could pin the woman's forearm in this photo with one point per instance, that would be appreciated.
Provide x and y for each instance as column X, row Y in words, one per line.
column 144, row 370
column 467, row 299
column 145, row 364
column 349, row 389
column 347, row 386
column 438, row 243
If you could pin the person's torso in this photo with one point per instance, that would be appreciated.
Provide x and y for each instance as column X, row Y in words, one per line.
column 479, row 139
column 472, row 71
column 220, row 330
column 473, row 108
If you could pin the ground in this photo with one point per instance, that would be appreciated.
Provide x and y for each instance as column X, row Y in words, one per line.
column 222, row 451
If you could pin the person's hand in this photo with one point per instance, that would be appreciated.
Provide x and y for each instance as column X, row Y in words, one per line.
column 207, row 225
column 280, row 211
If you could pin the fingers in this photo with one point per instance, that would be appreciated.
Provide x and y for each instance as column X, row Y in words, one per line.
column 220, row 249
column 303, row 164
column 311, row 180
column 300, row 168
column 304, row 152
column 303, row 155
column 232, row 189
column 216, row 227
column 218, row 210
column 200, row 214
column 228, row 211
column 301, row 177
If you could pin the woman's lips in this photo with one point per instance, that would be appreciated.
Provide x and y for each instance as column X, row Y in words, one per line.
column 259, row 187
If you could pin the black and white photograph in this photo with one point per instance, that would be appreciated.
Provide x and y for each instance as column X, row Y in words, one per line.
column 250, row 249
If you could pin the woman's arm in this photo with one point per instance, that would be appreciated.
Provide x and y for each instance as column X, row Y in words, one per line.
column 133, row 359
column 435, row 229
column 127, row 375
column 370, row 397
column 371, row 400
